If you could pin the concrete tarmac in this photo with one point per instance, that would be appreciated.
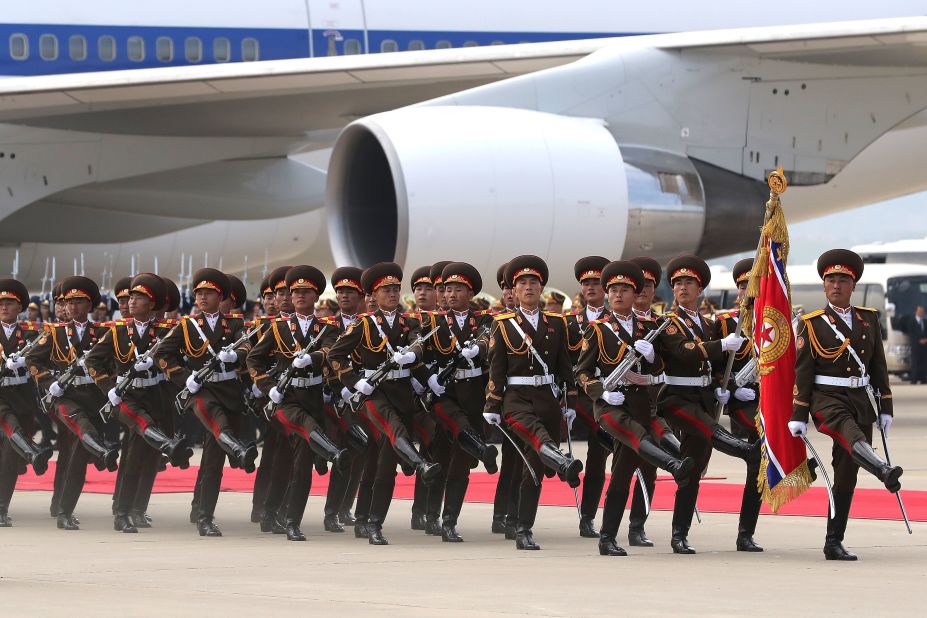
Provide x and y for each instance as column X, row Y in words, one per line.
column 170, row 571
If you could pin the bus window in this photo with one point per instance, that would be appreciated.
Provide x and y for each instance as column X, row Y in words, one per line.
column 106, row 48
column 135, row 48
column 443, row 45
column 193, row 49
column 164, row 48
column 77, row 47
column 352, row 47
column 388, row 46
column 416, row 45
column 250, row 51
column 19, row 46
column 906, row 293
column 221, row 49
column 48, row 47
column 875, row 298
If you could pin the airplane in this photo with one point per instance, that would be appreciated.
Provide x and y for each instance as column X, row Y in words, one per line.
column 288, row 132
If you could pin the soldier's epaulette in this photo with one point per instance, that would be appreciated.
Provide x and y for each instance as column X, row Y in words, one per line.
column 112, row 323
column 872, row 309
column 234, row 315
column 641, row 319
column 331, row 321
column 553, row 314
column 483, row 312
column 167, row 323
column 813, row 314
column 670, row 314
column 417, row 315
column 599, row 321
column 26, row 325
column 504, row 316
column 726, row 315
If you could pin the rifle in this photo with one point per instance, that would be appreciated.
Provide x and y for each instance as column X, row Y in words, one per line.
column 283, row 382
column 15, row 356
column 631, row 358
column 747, row 374
column 203, row 373
column 446, row 374
column 64, row 380
column 385, row 368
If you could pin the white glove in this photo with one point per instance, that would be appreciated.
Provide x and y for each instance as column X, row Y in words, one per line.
column 143, row 365
column 744, row 394
column 436, row 387
column 417, row 387
column 346, row 394
column 798, row 429
column 256, row 391
column 732, row 342
column 645, row 348
column 192, row 385
column 492, row 418
column 722, row 395
column 15, row 362
column 302, row 361
column 613, row 398
column 569, row 415
column 228, row 356
column 275, row 395
column 471, row 351
column 885, row 422
column 326, row 396
column 404, row 358
column 364, row 386
column 113, row 397
column 55, row 390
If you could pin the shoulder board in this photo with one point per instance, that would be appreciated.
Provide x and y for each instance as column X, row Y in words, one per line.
column 670, row 314
column 363, row 315
column 813, row 314
column 483, row 312
column 110, row 324
column 554, row 314
column 234, row 315
column 577, row 312
column 868, row 309
column 166, row 323
column 599, row 321
column 331, row 321
column 416, row 315
column 504, row 316
column 29, row 325
column 653, row 319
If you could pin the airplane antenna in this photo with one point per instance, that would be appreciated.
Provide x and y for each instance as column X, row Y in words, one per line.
column 16, row 264
column 156, row 265
column 244, row 275
column 82, row 264
column 45, row 277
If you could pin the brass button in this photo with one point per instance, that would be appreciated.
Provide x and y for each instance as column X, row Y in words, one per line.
column 848, row 370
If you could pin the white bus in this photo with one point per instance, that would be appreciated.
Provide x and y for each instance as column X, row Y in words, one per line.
column 894, row 289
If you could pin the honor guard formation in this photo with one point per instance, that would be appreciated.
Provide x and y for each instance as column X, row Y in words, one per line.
column 430, row 391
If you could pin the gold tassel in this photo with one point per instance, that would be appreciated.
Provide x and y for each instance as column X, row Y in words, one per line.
column 792, row 486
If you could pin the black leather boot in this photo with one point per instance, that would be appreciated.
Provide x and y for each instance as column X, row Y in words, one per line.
column 867, row 459
column 498, row 524
column 242, row 454
column 681, row 469
column 141, row 519
column 679, row 542
column 331, row 524
column 122, row 523
column 174, row 448
column 566, row 467
column 638, row 538
column 322, row 446
column 206, row 526
column 67, row 521
column 375, row 532
column 418, row 521
column 524, row 539
column 836, row 528
column 346, row 518
column 5, row 520
column 609, row 547
column 750, row 505
column 34, row 455
column 406, row 451
column 293, row 533
column 727, row 443
column 357, row 439
column 511, row 524
column 476, row 447
column 432, row 525
column 605, row 439
column 587, row 528
column 360, row 528
column 671, row 444
column 267, row 521
column 104, row 456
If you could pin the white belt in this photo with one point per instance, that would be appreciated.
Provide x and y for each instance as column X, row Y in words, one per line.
column 466, row 374
column 306, row 382
column 531, row 380
column 223, row 377
column 14, row 380
column 148, row 382
column 855, row 382
column 649, row 380
column 395, row 374
column 81, row 381
column 700, row 381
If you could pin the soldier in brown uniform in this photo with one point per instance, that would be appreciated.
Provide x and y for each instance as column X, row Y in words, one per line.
column 76, row 405
column 17, row 397
column 839, row 358
column 624, row 412
column 217, row 402
column 528, row 363
column 262, row 476
column 373, row 339
column 741, row 409
column 143, row 408
column 66, row 439
column 686, row 401
column 298, row 407
column 588, row 271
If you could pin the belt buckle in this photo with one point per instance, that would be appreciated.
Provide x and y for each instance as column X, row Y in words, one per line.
column 855, row 382
column 538, row 380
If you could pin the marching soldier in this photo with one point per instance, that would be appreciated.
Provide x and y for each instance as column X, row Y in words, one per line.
column 841, row 381
column 121, row 292
column 686, row 401
column 298, row 406
column 66, row 438
column 217, row 402
column 17, row 397
column 588, row 271
column 263, row 474
column 624, row 411
column 375, row 338
column 741, row 409
column 142, row 409
column 435, row 272
column 77, row 404
column 528, row 360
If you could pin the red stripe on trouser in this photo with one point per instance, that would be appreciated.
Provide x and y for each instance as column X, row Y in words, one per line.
column 209, row 419
column 291, row 427
column 590, row 420
column 140, row 421
column 834, row 435
column 332, row 414
column 658, row 428
column 635, row 443
column 420, row 430
column 535, row 442
column 447, row 420
column 374, row 431
column 385, row 428
column 63, row 413
column 692, row 421
column 6, row 428
column 744, row 418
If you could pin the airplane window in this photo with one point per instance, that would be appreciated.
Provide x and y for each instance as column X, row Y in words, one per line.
column 416, row 45
column 106, row 48
column 443, row 45
column 221, row 49
column 471, row 44
column 352, row 47
column 193, row 49
column 498, row 43
column 19, row 46
column 135, row 48
column 77, row 47
column 164, row 48
column 250, row 50
column 389, row 45
column 48, row 47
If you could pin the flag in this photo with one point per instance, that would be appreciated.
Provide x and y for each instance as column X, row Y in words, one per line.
column 784, row 473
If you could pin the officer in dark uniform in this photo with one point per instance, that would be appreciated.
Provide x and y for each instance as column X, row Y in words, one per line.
column 841, row 380
column 624, row 410
column 588, row 271
column 66, row 438
column 121, row 293
column 374, row 338
column 78, row 404
column 262, row 476
column 528, row 363
column 17, row 397
column 218, row 402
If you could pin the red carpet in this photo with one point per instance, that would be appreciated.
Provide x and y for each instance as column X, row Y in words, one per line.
column 714, row 496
